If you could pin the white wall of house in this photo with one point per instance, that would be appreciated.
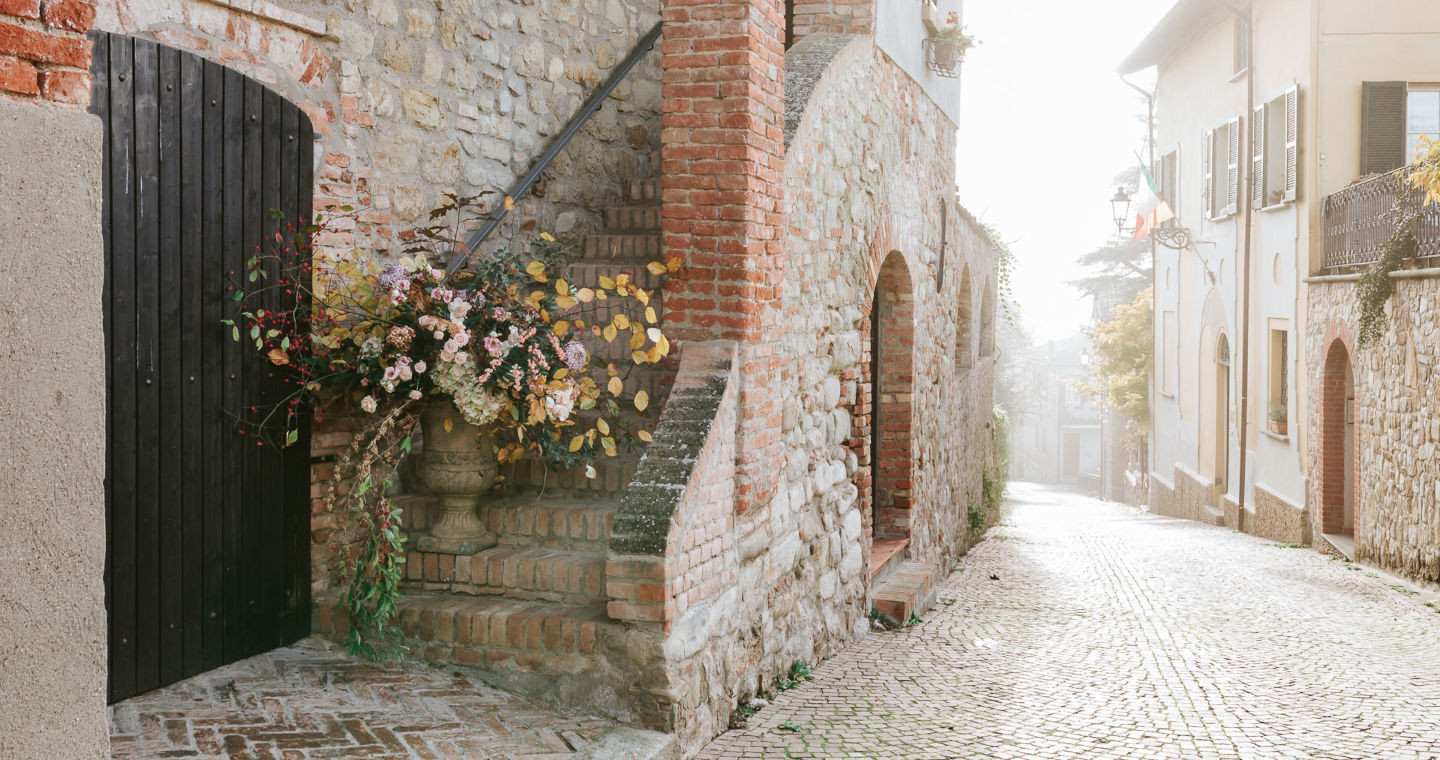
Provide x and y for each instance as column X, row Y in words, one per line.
column 899, row 32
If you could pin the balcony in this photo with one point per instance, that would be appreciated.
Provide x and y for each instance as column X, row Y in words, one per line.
column 1358, row 221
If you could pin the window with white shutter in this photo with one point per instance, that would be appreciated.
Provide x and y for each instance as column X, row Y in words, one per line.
column 1257, row 157
column 1276, row 143
column 1222, row 166
column 1292, row 143
column 1207, row 174
column 1232, row 167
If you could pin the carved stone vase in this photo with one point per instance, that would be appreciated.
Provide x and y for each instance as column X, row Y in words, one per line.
column 459, row 466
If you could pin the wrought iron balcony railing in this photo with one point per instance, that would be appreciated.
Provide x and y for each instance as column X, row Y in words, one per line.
column 1358, row 220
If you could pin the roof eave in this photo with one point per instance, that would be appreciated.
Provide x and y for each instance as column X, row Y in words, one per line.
column 1181, row 26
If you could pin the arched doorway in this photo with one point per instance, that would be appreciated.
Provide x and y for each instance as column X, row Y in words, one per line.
column 890, row 382
column 1222, row 418
column 1337, row 443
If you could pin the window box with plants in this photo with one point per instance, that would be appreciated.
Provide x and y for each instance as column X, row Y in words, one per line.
column 1278, row 417
column 945, row 48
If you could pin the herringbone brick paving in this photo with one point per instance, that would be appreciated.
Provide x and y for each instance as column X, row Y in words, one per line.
column 311, row 702
column 1084, row 630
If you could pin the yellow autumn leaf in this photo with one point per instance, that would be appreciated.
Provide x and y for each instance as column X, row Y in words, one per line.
column 673, row 264
column 509, row 203
column 663, row 344
column 536, row 269
column 656, row 267
column 609, row 332
column 616, row 386
column 639, row 357
column 562, row 287
column 643, row 296
column 547, row 237
column 602, row 426
column 601, row 295
column 642, row 400
column 577, row 442
column 561, row 328
column 449, row 426
column 636, row 340
column 622, row 321
column 654, row 354
column 650, row 315
column 645, row 436
column 278, row 357
column 585, row 295
column 562, row 373
column 565, row 302
column 607, row 283
column 622, row 279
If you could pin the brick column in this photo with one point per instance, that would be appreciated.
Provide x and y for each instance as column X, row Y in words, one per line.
column 722, row 161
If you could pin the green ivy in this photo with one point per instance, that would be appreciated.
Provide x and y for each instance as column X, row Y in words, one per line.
column 1374, row 287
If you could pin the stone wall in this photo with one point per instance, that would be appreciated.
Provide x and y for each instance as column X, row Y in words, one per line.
column 1186, row 499
column 412, row 98
column 52, row 418
column 1397, row 421
column 1275, row 518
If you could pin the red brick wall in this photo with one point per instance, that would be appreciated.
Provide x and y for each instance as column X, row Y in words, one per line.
column 1333, row 405
column 891, row 465
column 43, row 51
column 722, row 158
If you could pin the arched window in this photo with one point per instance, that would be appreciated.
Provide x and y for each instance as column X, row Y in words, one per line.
column 987, row 321
column 964, row 349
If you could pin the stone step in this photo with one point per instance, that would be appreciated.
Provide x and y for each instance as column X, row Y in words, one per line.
column 534, row 574
column 633, row 218
column 645, row 190
column 574, row 524
column 886, row 556
column 634, row 247
column 1211, row 515
column 489, row 632
column 909, row 591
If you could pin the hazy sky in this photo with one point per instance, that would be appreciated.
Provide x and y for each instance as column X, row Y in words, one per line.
column 1045, row 124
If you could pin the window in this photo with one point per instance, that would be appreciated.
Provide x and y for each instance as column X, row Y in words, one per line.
column 1422, row 117
column 1242, row 44
column 1220, row 160
column 1275, row 150
column 1279, row 364
column 1394, row 116
column 1167, row 171
column 1168, row 336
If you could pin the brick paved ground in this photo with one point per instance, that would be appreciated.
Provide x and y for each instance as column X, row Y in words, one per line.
column 312, row 702
column 1115, row 634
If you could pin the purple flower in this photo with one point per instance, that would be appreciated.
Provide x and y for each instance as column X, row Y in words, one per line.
column 392, row 275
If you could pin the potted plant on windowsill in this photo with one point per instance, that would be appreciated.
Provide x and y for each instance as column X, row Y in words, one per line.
column 947, row 46
column 1278, row 424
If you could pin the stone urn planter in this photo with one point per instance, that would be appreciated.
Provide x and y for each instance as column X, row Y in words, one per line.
column 459, row 466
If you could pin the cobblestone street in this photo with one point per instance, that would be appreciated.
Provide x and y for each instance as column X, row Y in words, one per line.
column 1083, row 629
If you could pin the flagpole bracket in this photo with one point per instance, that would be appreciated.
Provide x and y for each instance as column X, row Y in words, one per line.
column 1177, row 238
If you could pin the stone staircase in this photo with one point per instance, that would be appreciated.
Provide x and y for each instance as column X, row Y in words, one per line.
column 529, row 614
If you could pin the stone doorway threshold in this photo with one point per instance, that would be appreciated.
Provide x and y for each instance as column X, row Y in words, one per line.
column 310, row 700
column 1342, row 543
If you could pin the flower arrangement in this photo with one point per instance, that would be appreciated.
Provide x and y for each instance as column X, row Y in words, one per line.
column 952, row 30
column 501, row 339
column 947, row 46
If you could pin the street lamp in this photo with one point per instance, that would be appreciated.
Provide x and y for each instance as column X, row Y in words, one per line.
column 1120, row 207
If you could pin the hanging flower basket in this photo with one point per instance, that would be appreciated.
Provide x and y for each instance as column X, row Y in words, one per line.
column 945, row 49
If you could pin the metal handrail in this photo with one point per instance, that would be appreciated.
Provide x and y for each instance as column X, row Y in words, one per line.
column 522, row 185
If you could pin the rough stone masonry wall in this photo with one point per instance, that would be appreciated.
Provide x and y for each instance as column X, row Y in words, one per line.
column 52, row 492
column 414, row 98
column 1397, row 421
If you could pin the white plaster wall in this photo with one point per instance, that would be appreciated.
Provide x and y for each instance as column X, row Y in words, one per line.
column 898, row 32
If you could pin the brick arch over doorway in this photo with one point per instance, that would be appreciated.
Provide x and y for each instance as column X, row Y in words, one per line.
column 1339, row 496
column 886, row 447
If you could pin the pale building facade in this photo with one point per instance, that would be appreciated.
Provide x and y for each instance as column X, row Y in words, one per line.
column 1259, row 118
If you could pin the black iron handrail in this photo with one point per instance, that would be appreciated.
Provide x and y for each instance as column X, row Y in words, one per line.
column 576, row 122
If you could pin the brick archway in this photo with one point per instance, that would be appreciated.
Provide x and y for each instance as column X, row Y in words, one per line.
column 888, row 377
column 1338, row 494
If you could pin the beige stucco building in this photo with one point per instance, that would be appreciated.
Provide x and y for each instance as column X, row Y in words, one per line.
column 1259, row 119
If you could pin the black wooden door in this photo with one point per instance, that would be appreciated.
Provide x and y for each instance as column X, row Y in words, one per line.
column 208, row 534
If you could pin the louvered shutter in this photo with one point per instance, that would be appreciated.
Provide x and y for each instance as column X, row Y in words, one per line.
column 1292, row 143
column 1257, row 157
column 1232, row 167
column 1382, row 126
column 1207, row 174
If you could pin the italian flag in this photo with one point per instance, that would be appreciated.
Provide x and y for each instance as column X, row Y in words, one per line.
column 1153, row 210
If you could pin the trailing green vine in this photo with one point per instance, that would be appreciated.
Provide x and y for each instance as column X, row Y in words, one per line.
column 1373, row 288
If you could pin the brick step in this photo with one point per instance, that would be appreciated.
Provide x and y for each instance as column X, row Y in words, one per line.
column 634, row 247
column 489, row 632
column 633, row 218
column 535, row 574
column 645, row 190
column 574, row 524
column 886, row 556
column 909, row 591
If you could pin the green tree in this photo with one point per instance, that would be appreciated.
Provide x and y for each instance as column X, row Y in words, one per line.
column 1120, row 370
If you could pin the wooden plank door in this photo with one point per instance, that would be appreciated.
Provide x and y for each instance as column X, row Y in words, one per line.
column 207, row 532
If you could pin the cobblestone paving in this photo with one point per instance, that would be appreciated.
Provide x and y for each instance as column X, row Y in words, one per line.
column 310, row 702
column 1115, row 634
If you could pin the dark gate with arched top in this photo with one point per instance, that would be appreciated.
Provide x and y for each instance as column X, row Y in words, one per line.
column 207, row 533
